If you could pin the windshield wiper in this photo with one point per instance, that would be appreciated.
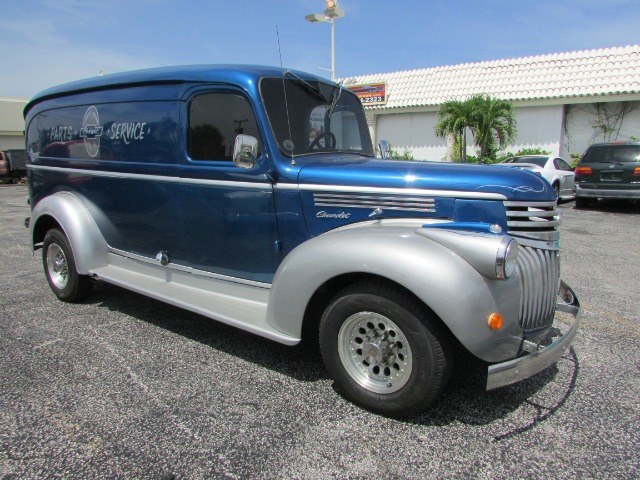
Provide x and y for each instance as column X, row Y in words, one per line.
column 335, row 96
column 307, row 86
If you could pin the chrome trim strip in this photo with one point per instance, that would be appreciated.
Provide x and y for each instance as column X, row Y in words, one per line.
column 104, row 173
column 191, row 270
column 160, row 178
column 513, row 371
column 227, row 183
column 530, row 204
column 389, row 191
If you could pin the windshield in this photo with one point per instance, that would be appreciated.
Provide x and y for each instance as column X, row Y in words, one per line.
column 314, row 117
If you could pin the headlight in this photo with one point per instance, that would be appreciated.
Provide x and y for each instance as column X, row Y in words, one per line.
column 494, row 256
column 506, row 258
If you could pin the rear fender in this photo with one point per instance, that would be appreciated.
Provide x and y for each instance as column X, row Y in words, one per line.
column 90, row 250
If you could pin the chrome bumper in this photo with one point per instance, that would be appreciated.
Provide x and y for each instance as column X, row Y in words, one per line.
column 513, row 371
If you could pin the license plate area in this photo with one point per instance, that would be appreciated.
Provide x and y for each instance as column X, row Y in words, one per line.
column 611, row 176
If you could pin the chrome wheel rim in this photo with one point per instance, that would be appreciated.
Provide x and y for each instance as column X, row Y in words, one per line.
column 57, row 266
column 375, row 352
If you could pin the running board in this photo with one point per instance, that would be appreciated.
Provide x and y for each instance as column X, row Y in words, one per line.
column 239, row 305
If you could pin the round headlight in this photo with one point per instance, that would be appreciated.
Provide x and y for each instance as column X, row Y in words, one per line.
column 506, row 258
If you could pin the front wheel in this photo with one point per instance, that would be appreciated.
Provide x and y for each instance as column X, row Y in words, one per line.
column 60, row 268
column 385, row 352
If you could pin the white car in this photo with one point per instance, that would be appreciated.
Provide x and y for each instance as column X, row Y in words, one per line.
column 554, row 169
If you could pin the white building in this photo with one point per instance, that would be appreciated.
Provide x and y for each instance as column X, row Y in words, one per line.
column 564, row 102
column 12, row 123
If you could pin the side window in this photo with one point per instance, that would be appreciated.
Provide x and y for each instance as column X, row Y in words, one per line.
column 215, row 119
column 562, row 165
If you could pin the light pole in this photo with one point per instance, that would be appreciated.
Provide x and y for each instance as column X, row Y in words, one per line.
column 332, row 12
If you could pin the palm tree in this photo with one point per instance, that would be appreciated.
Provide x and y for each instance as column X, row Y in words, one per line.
column 484, row 116
column 454, row 117
column 494, row 118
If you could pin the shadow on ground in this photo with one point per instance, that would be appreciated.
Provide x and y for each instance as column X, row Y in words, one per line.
column 463, row 400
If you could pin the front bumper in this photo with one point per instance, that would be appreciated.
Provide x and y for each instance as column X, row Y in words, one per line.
column 518, row 369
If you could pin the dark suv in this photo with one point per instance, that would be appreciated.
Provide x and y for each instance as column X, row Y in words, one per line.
column 608, row 170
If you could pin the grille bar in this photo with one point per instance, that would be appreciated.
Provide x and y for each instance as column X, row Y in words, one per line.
column 539, row 273
column 533, row 220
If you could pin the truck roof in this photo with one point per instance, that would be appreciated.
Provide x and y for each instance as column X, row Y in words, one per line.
column 233, row 74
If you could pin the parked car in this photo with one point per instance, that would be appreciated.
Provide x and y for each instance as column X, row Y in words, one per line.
column 554, row 169
column 608, row 170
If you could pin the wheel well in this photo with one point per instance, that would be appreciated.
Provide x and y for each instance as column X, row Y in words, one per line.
column 40, row 229
column 324, row 294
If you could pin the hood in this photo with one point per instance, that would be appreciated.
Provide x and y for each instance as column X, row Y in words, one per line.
column 506, row 183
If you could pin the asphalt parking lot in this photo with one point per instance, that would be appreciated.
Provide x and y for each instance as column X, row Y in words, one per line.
column 122, row 386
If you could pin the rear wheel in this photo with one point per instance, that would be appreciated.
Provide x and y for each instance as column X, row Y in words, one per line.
column 60, row 268
column 582, row 202
column 383, row 350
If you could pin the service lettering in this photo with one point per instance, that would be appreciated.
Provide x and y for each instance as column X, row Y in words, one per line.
column 127, row 132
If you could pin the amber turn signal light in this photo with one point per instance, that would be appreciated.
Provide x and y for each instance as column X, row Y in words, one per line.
column 494, row 321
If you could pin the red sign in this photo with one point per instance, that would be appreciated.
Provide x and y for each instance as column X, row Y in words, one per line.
column 370, row 93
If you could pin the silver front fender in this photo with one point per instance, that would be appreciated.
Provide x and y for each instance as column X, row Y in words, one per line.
column 461, row 296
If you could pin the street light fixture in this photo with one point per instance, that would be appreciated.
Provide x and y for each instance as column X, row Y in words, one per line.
column 332, row 12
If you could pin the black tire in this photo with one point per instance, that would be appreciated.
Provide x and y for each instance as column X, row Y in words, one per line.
column 400, row 375
column 556, row 188
column 582, row 202
column 60, row 268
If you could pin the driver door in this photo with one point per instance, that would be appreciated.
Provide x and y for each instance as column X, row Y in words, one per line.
column 228, row 212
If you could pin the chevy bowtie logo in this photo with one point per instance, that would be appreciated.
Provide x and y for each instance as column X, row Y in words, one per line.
column 91, row 131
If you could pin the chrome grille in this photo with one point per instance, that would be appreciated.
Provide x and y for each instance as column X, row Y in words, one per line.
column 539, row 273
column 538, row 220
column 342, row 200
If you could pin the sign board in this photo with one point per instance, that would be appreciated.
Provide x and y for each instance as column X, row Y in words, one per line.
column 370, row 93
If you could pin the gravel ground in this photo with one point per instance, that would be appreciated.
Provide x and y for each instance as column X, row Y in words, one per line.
column 122, row 386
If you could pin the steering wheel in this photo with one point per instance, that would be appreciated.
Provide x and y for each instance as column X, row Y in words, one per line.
column 316, row 141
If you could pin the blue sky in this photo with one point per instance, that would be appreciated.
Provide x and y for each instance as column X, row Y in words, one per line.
column 47, row 42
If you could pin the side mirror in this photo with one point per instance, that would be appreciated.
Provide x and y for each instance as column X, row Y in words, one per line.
column 385, row 148
column 245, row 151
